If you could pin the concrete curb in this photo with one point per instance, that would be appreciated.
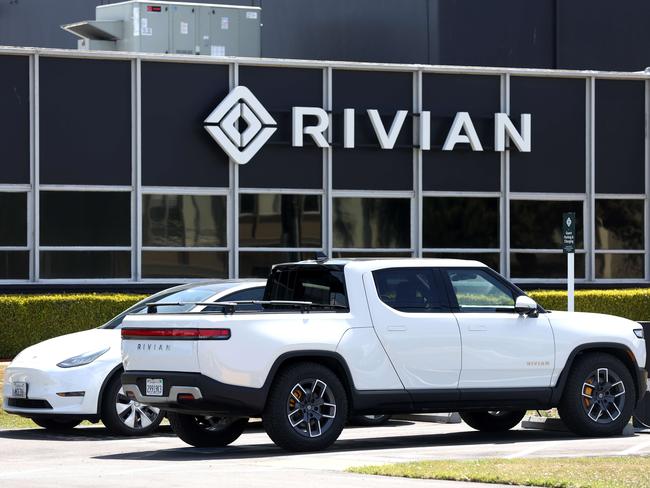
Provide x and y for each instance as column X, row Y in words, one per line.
column 551, row 424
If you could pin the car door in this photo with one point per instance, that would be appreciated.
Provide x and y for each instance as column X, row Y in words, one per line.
column 411, row 316
column 501, row 349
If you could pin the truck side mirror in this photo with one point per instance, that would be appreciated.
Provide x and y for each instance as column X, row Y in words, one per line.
column 526, row 306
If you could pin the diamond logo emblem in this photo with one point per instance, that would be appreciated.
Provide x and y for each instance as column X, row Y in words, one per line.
column 240, row 125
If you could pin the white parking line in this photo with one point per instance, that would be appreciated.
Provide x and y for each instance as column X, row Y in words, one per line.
column 530, row 450
column 634, row 449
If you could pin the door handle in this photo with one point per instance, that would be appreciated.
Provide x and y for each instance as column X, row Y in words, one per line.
column 396, row 328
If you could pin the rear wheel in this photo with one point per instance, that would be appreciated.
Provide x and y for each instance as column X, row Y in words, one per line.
column 126, row 417
column 493, row 420
column 206, row 431
column 369, row 420
column 599, row 396
column 306, row 408
column 56, row 424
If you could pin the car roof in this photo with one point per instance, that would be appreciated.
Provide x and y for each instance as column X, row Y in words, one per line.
column 378, row 263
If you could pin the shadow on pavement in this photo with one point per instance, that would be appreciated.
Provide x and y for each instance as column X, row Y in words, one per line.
column 77, row 434
column 345, row 445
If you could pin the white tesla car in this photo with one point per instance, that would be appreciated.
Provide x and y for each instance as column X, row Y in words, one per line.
column 62, row 381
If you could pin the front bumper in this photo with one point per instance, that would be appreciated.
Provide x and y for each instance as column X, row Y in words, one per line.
column 211, row 397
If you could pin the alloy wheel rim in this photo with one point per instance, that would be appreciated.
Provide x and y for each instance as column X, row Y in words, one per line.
column 134, row 414
column 311, row 408
column 603, row 396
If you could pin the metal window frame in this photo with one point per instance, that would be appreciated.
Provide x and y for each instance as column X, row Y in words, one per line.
column 416, row 195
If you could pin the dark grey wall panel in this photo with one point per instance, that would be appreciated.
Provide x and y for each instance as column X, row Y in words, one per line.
column 14, row 119
column 367, row 166
column 599, row 34
column 85, row 121
column 176, row 149
column 495, row 33
column 461, row 169
column 556, row 162
column 620, row 136
column 360, row 30
column 278, row 165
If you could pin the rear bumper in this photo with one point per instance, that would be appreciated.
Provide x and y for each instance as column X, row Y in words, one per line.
column 211, row 397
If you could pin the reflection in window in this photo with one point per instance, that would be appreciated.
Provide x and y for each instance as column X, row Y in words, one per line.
column 371, row 255
column 372, row 222
column 613, row 266
column 85, row 264
column 538, row 224
column 83, row 218
column 14, row 265
column 184, row 264
column 491, row 259
column 619, row 224
column 258, row 264
column 544, row 265
column 13, row 219
column 476, row 289
column 410, row 289
column 460, row 222
column 268, row 220
column 184, row 220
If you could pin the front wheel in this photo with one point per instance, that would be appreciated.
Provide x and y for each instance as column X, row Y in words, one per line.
column 493, row 420
column 306, row 408
column 599, row 396
column 206, row 431
column 56, row 424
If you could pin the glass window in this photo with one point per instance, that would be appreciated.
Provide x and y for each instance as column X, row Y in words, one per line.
column 184, row 264
column 273, row 220
column 372, row 222
column 256, row 293
column 184, row 220
column 476, row 289
column 619, row 224
column 13, row 219
column 14, row 265
column 258, row 264
column 371, row 255
column 85, row 264
column 538, row 224
column 317, row 284
column 492, row 260
column 79, row 218
column 614, row 266
column 544, row 265
column 410, row 289
column 460, row 222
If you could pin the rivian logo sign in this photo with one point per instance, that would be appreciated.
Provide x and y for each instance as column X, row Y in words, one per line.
column 241, row 126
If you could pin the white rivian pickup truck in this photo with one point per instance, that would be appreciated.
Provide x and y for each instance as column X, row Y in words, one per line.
column 359, row 337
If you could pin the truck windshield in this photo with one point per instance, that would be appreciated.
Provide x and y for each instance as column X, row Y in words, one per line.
column 319, row 284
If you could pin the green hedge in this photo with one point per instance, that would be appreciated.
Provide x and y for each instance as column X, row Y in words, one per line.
column 28, row 319
column 633, row 303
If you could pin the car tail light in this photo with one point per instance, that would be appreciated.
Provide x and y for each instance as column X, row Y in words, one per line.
column 176, row 334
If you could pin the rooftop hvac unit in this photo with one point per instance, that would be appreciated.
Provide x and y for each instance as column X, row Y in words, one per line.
column 172, row 27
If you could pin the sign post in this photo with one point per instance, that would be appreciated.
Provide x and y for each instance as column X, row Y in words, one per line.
column 569, row 248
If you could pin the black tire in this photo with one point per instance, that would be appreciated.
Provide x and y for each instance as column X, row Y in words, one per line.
column 205, row 431
column 298, row 392
column 369, row 420
column 606, row 408
column 144, row 419
column 493, row 420
column 57, row 424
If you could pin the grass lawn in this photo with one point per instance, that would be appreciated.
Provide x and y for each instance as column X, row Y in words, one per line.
column 589, row 472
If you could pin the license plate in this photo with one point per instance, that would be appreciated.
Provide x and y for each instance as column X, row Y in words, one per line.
column 19, row 389
column 154, row 387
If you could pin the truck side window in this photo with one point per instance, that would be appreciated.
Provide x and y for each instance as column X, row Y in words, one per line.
column 477, row 290
column 414, row 290
column 317, row 284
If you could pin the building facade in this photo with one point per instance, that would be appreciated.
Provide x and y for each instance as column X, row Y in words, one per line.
column 111, row 172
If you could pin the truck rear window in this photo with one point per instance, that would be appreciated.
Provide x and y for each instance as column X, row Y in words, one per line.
column 323, row 285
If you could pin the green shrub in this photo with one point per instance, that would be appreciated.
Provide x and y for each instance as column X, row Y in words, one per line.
column 28, row 319
column 633, row 303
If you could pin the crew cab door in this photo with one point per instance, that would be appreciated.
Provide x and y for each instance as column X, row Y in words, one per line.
column 501, row 349
column 410, row 314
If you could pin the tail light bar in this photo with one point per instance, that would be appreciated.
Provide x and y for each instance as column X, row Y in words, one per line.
column 176, row 334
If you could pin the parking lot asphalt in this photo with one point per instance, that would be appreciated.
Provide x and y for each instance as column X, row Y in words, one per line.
column 90, row 457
